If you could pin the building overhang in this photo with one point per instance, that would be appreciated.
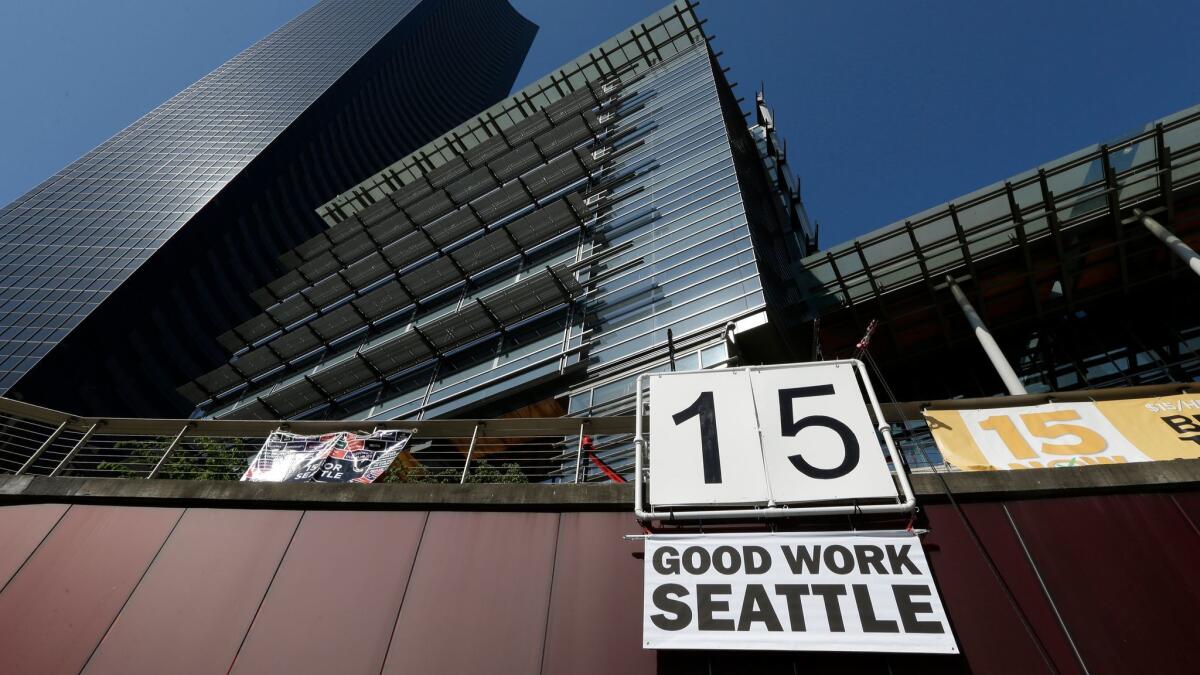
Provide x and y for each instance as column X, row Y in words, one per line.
column 1040, row 243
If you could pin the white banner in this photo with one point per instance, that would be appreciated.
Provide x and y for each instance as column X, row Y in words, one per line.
column 289, row 458
column 339, row 457
column 827, row 591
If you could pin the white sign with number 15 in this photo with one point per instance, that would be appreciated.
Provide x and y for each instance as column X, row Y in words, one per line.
column 759, row 436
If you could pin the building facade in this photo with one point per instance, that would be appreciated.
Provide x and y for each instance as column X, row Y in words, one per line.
column 121, row 268
column 498, row 290
column 617, row 217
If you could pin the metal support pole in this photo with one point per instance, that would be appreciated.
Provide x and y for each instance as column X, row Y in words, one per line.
column 1003, row 369
column 168, row 452
column 45, row 444
column 1185, row 252
column 470, row 451
column 579, row 452
column 87, row 435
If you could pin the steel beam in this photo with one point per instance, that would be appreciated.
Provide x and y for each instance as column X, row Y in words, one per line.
column 1177, row 246
column 984, row 336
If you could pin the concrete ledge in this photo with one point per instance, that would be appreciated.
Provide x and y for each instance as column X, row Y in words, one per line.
column 1104, row 478
column 973, row 486
column 477, row 496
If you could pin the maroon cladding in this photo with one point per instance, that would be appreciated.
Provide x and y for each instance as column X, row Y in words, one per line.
column 1122, row 571
column 512, row 592
column 478, row 597
column 22, row 528
column 333, row 604
column 995, row 632
column 195, row 603
column 596, row 575
column 55, row 610
column 738, row 662
column 1004, row 547
column 1189, row 504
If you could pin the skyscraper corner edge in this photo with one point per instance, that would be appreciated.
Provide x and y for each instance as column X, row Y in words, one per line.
column 385, row 64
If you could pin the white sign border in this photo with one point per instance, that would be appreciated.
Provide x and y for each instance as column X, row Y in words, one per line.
column 905, row 503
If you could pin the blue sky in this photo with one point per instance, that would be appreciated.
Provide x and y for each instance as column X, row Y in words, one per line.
column 888, row 107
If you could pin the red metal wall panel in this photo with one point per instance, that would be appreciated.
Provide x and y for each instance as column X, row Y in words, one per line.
column 1189, row 504
column 466, row 592
column 195, row 603
column 682, row 662
column 55, row 610
column 996, row 633
column 596, row 575
column 738, row 662
column 333, row 603
column 479, row 594
column 1122, row 571
column 1003, row 547
column 22, row 528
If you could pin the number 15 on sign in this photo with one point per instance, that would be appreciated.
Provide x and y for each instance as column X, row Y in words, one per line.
column 758, row 436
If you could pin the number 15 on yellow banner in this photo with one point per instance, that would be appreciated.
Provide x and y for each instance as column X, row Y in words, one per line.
column 1030, row 437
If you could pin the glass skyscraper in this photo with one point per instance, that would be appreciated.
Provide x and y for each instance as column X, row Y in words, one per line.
column 120, row 269
column 616, row 217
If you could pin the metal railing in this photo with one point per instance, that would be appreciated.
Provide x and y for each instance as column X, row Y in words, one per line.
column 45, row 442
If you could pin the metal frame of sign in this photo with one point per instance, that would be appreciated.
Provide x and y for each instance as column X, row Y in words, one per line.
column 905, row 500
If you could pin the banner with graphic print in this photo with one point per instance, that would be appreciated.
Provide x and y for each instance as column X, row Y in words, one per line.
column 340, row 457
column 1069, row 434
column 361, row 459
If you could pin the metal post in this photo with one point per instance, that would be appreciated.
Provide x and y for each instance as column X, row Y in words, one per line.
column 168, row 452
column 45, row 444
column 75, row 450
column 1185, row 252
column 470, row 451
column 1003, row 369
column 579, row 452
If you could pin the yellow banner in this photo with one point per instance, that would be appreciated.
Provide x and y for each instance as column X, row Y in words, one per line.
column 1069, row 434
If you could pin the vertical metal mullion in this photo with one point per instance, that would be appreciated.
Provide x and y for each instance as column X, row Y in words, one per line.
column 1165, row 181
column 961, row 236
column 1052, row 223
column 1113, row 198
column 437, row 367
column 1023, row 244
column 933, row 297
column 877, row 291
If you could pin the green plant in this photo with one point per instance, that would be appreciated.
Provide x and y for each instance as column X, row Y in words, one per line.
column 203, row 458
column 481, row 472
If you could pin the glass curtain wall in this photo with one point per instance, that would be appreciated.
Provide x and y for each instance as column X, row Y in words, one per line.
column 686, row 222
